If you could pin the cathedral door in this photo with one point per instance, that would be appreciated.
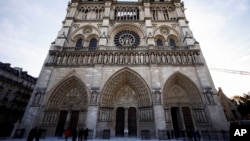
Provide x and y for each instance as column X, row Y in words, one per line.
column 176, row 120
column 61, row 123
column 74, row 120
column 132, row 125
column 187, row 118
column 120, row 119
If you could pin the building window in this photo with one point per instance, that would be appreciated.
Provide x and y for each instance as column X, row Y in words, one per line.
column 92, row 44
column 79, row 43
column 159, row 42
column 172, row 43
column 127, row 38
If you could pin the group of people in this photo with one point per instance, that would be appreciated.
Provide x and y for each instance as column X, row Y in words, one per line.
column 35, row 133
column 81, row 134
column 193, row 135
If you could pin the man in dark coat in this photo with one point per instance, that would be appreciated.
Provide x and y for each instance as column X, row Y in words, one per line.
column 74, row 134
column 85, row 134
column 38, row 134
column 32, row 134
column 80, row 134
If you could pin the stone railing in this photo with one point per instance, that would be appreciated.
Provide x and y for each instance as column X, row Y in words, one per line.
column 124, row 56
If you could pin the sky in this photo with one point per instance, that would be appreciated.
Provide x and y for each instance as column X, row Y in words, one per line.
column 27, row 28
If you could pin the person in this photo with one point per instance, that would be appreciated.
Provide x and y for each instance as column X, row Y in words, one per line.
column 38, row 134
column 194, row 134
column 74, row 134
column 189, row 134
column 80, row 134
column 32, row 134
column 67, row 134
column 85, row 134
column 198, row 135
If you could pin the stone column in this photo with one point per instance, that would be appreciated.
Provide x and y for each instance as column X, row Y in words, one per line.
column 92, row 116
column 160, row 120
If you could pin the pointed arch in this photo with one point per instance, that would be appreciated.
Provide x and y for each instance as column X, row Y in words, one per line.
column 80, row 31
column 69, row 93
column 120, row 79
column 180, row 89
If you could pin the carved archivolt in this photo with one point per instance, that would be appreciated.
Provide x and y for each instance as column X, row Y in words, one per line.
column 128, row 84
column 70, row 94
column 180, row 89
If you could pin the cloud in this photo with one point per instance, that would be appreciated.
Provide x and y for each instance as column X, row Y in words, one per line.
column 27, row 29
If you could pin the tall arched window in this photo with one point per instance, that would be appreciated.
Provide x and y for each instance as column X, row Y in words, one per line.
column 172, row 42
column 79, row 43
column 92, row 44
column 159, row 42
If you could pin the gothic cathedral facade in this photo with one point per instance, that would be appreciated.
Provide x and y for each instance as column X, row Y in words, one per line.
column 125, row 69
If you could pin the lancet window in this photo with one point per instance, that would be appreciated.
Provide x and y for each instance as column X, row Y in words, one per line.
column 79, row 43
column 127, row 13
column 159, row 42
column 172, row 42
column 92, row 44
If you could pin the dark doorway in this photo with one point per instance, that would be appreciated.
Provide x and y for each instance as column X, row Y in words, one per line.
column 132, row 125
column 176, row 119
column 61, row 123
column 187, row 118
column 74, row 120
column 120, row 118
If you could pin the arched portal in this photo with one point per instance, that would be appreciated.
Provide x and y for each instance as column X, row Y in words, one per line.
column 125, row 94
column 66, row 107
column 182, row 102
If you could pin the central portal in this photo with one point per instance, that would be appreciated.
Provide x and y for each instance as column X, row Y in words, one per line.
column 126, row 124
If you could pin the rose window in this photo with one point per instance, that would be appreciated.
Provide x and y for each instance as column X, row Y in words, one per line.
column 127, row 38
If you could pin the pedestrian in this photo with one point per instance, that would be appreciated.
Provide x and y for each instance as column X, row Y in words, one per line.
column 198, row 135
column 85, row 134
column 194, row 134
column 67, row 133
column 32, row 134
column 38, row 134
column 74, row 134
column 80, row 134
column 189, row 134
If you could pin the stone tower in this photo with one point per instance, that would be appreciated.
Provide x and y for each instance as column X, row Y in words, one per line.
column 125, row 69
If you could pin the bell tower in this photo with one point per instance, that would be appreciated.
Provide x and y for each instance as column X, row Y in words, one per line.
column 126, row 69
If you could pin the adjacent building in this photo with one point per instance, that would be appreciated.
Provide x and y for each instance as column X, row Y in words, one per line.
column 126, row 69
column 229, row 106
column 16, row 87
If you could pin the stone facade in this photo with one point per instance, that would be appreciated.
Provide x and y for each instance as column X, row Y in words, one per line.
column 16, row 87
column 125, row 69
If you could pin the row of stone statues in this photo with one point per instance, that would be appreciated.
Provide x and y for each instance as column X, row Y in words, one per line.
column 124, row 58
column 146, row 114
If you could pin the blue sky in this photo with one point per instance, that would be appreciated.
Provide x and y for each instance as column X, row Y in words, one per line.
column 27, row 28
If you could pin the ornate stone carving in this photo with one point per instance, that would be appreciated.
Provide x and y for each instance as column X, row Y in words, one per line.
column 209, row 95
column 146, row 114
column 39, row 92
column 126, row 38
column 157, row 97
column 123, row 58
column 94, row 96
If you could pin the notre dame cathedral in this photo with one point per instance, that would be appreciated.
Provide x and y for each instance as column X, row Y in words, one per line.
column 125, row 69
